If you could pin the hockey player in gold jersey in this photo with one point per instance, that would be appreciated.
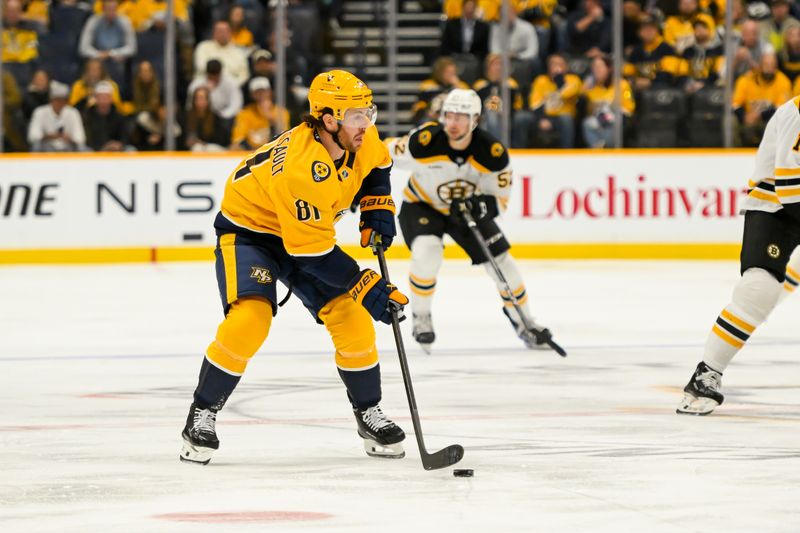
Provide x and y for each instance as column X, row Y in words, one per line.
column 276, row 223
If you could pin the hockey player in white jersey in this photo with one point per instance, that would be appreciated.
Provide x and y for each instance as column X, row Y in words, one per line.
column 771, row 234
column 453, row 163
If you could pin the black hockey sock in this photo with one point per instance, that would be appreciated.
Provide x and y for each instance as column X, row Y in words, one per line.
column 363, row 387
column 214, row 386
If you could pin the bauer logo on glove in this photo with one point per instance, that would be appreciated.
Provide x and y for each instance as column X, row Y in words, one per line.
column 377, row 218
column 377, row 296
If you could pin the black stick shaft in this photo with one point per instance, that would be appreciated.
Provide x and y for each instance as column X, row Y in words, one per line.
column 473, row 226
column 401, row 353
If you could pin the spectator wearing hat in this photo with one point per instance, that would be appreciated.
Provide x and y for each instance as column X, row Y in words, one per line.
column 82, row 94
column 653, row 63
column 260, row 121
column 262, row 66
column 57, row 126
column 226, row 98
column 204, row 130
column 679, row 29
column 750, row 49
column 222, row 48
column 106, row 129
column 756, row 95
column 702, row 62
column 774, row 28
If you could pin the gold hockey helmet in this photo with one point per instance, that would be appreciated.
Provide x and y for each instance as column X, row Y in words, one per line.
column 340, row 90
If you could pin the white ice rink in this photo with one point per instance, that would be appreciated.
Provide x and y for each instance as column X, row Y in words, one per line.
column 98, row 365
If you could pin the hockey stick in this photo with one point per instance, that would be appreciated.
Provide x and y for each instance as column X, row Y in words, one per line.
column 541, row 335
column 430, row 461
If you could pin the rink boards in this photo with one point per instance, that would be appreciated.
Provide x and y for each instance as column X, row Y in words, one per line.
column 564, row 204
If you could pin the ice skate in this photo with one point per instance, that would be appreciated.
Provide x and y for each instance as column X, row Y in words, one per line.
column 423, row 332
column 199, row 436
column 382, row 437
column 701, row 395
column 535, row 338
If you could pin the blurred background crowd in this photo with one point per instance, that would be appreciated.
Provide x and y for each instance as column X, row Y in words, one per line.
column 81, row 76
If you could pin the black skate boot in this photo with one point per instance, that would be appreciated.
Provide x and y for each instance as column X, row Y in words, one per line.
column 423, row 332
column 199, row 437
column 701, row 395
column 382, row 437
column 535, row 339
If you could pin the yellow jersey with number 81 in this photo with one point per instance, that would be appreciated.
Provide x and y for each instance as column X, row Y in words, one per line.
column 290, row 187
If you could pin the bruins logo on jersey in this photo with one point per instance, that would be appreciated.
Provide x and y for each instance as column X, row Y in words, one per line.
column 320, row 171
column 773, row 251
column 424, row 138
column 497, row 150
column 454, row 190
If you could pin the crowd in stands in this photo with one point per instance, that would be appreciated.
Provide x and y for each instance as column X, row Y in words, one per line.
column 89, row 74
column 672, row 82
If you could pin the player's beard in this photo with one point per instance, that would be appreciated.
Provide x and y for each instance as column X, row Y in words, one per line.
column 349, row 143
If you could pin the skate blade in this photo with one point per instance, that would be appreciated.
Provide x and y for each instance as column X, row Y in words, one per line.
column 385, row 451
column 426, row 347
column 195, row 454
column 690, row 405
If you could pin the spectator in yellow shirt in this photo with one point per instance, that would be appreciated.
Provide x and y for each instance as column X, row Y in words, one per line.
column 260, row 121
column 678, row 29
column 20, row 44
column 240, row 34
column 553, row 98
column 756, row 95
column 81, row 95
column 598, row 126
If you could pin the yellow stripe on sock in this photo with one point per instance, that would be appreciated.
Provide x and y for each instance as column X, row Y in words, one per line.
column 724, row 335
column 737, row 322
column 422, row 292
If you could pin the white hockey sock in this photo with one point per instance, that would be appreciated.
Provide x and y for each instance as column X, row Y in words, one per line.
column 426, row 259
column 508, row 267
column 754, row 298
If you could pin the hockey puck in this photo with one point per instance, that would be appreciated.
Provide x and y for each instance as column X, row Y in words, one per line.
column 463, row 472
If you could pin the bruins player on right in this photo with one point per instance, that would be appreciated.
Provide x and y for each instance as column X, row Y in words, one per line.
column 771, row 233
column 454, row 163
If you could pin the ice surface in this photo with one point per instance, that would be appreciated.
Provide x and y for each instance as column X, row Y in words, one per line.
column 98, row 365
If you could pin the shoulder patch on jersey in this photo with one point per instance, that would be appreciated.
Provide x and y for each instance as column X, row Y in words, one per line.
column 424, row 137
column 425, row 140
column 488, row 152
column 320, row 171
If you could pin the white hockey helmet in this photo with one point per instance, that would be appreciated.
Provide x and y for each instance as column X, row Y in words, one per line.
column 465, row 101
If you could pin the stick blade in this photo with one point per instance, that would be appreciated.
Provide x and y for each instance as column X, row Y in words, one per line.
column 443, row 458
